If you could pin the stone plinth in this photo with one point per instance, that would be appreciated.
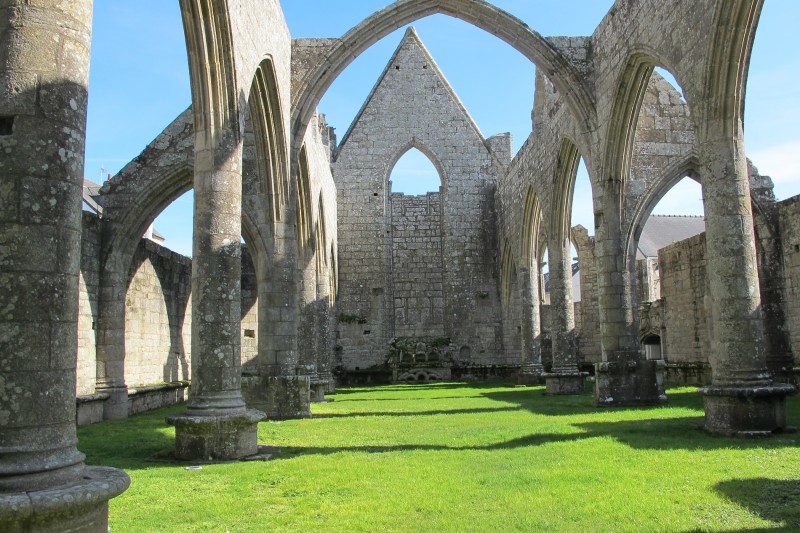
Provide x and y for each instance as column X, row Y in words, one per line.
column 318, row 389
column 632, row 382
column 530, row 375
column 564, row 383
column 78, row 506
column 280, row 397
column 746, row 411
column 214, row 438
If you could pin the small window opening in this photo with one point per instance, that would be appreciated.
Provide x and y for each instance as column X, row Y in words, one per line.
column 6, row 125
column 367, row 332
column 415, row 174
column 250, row 333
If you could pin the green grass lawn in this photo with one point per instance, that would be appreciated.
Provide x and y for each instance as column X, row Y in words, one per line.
column 462, row 457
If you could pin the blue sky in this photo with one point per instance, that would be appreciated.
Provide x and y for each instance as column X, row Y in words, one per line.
column 139, row 83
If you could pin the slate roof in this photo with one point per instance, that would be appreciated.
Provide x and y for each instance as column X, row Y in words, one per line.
column 659, row 231
column 92, row 200
column 662, row 230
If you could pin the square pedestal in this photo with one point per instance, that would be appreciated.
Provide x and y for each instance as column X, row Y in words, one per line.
column 280, row 397
column 216, row 438
column 629, row 383
column 563, row 384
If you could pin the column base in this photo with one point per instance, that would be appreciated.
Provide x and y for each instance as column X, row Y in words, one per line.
column 629, row 383
column 318, row 388
column 81, row 506
column 329, row 380
column 280, row 397
column 746, row 411
column 530, row 375
column 216, row 438
column 563, row 383
column 116, row 406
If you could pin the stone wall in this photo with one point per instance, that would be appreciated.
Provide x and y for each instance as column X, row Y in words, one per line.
column 249, row 312
column 413, row 106
column 789, row 224
column 416, row 268
column 157, row 316
column 587, row 311
column 88, row 305
column 685, row 295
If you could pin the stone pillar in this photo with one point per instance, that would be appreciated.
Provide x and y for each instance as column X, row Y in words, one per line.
column 111, row 342
column 217, row 425
column 624, row 376
column 44, row 484
column 742, row 398
column 564, row 377
column 282, row 389
column 323, row 349
column 531, row 370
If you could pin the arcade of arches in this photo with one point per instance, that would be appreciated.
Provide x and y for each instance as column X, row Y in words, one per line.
column 342, row 280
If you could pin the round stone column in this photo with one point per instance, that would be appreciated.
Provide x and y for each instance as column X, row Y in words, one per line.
column 531, row 370
column 624, row 376
column 564, row 377
column 217, row 425
column 44, row 484
column 742, row 399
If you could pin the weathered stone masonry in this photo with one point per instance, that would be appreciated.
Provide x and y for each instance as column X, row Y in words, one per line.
column 251, row 149
column 412, row 106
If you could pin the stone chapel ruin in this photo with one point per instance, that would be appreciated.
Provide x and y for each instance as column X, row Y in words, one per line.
column 341, row 279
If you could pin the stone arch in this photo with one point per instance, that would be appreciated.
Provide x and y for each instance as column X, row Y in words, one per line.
column 209, row 44
column 266, row 116
column 686, row 167
column 566, row 170
column 476, row 12
column 305, row 216
column 427, row 152
column 531, row 229
column 622, row 124
column 507, row 269
column 734, row 29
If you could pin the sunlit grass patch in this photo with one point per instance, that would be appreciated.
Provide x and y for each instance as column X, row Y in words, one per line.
column 462, row 457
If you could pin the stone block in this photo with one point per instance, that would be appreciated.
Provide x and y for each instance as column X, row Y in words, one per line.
column 216, row 438
column 629, row 381
column 746, row 411
column 281, row 397
column 564, row 384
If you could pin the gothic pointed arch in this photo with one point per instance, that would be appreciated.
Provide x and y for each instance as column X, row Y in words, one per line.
column 476, row 12
column 531, row 227
column 210, row 49
column 735, row 23
column 566, row 171
column 266, row 116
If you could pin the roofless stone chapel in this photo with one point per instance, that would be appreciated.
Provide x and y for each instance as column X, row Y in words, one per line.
column 343, row 280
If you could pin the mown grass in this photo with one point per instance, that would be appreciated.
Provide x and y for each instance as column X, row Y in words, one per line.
column 463, row 457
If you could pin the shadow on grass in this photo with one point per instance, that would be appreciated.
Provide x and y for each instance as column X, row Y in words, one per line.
column 643, row 434
column 775, row 500
column 421, row 386
column 138, row 442
column 536, row 401
column 421, row 413
column 405, row 398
